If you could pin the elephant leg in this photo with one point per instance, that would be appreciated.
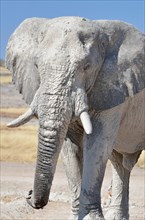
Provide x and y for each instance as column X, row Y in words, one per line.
column 90, row 199
column 119, row 207
column 72, row 160
column 97, row 148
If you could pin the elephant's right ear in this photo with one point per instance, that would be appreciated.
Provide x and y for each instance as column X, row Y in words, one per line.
column 21, row 58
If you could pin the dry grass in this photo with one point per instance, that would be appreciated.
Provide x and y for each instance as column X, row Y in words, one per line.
column 5, row 76
column 12, row 112
column 19, row 144
column 5, row 79
column 4, row 70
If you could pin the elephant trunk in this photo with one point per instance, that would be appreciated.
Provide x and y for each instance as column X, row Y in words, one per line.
column 48, row 152
column 54, row 118
column 54, row 112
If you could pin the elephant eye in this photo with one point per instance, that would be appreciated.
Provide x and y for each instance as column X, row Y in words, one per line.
column 36, row 65
column 87, row 66
column 14, row 61
column 82, row 39
column 104, row 41
column 103, row 44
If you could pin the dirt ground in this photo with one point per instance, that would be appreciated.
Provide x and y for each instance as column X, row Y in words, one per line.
column 17, row 179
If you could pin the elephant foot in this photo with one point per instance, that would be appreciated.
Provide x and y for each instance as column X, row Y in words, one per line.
column 35, row 205
column 115, row 214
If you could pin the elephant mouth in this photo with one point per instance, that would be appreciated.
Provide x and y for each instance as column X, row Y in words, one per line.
column 29, row 114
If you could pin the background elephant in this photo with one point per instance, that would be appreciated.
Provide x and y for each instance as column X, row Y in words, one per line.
column 80, row 75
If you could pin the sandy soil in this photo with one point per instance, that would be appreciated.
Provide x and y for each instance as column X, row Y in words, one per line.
column 17, row 180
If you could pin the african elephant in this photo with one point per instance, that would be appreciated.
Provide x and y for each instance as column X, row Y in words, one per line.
column 84, row 80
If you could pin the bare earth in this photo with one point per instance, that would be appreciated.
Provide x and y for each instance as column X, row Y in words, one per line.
column 17, row 179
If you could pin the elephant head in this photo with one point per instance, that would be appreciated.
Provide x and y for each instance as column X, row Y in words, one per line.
column 61, row 66
column 54, row 64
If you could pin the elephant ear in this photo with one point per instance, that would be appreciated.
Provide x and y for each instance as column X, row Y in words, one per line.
column 122, row 73
column 21, row 57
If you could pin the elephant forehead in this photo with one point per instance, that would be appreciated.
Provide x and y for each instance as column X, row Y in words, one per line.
column 64, row 38
column 69, row 26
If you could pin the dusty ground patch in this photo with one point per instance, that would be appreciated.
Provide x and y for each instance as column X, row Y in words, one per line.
column 17, row 179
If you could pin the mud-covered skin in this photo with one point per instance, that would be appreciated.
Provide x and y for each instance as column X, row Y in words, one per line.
column 69, row 66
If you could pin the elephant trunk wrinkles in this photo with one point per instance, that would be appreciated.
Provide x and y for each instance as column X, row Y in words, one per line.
column 54, row 119
column 48, row 152
column 54, row 113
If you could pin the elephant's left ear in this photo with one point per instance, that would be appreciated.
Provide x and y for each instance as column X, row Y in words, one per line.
column 25, row 76
column 21, row 61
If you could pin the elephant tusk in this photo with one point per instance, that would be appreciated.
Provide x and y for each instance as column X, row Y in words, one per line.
column 22, row 119
column 86, row 122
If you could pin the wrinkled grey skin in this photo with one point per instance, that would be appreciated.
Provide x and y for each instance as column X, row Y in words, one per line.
column 70, row 65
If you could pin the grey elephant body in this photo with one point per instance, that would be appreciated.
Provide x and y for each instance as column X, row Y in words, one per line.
column 129, row 141
column 66, row 67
